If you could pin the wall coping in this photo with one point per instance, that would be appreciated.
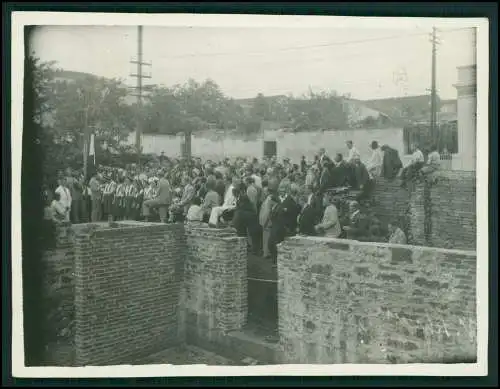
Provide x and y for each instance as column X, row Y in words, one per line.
column 315, row 239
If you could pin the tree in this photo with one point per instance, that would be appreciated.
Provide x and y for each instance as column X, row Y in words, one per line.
column 64, row 108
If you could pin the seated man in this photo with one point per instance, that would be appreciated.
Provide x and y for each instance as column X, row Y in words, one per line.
column 358, row 223
column 228, row 205
column 433, row 162
column 412, row 171
column 397, row 236
column 195, row 211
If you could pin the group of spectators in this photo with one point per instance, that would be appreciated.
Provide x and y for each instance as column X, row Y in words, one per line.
column 263, row 200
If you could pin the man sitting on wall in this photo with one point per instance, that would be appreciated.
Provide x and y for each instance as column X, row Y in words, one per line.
column 412, row 171
column 433, row 161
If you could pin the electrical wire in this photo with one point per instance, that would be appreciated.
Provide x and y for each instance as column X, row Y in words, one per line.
column 330, row 44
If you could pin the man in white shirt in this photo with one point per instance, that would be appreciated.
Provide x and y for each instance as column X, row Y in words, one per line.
column 374, row 165
column 353, row 152
column 228, row 205
column 65, row 196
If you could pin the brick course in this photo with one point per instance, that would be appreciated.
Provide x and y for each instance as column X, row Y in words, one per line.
column 353, row 302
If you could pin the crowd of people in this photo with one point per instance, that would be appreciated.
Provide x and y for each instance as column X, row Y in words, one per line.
column 263, row 200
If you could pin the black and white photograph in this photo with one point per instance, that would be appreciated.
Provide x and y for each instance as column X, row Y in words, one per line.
column 228, row 193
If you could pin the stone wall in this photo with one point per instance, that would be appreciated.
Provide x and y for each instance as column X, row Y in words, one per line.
column 127, row 291
column 439, row 213
column 215, row 285
column 350, row 302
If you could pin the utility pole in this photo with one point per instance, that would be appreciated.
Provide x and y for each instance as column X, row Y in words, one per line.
column 139, row 89
column 434, row 41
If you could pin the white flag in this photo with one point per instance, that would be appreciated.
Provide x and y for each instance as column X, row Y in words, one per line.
column 92, row 147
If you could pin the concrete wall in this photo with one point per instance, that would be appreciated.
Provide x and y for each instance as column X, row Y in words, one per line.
column 350, row 302
column 127, row 288
column 291, row 145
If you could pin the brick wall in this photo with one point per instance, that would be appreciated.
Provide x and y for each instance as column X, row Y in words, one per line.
column 441, row 213
column 350, row 302
column 58, row 299
column 391, row 201
column 453, row 210
column 215, row 285
column 127, row 287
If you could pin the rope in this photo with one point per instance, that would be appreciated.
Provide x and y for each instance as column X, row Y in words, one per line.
column 261, row 280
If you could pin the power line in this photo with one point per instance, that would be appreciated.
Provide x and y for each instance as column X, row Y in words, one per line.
column 331, row 44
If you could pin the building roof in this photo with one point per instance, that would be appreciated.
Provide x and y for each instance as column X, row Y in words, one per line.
column 72, row 75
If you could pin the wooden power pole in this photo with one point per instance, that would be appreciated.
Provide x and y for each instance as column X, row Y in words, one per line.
column 434, row 103
column 139, row 90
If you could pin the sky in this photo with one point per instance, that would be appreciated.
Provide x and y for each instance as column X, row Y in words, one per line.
column 366, row 63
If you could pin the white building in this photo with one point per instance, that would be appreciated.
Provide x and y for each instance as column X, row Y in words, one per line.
column 466, row 117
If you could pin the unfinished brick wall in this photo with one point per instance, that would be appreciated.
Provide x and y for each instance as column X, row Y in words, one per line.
column 351, row 302
column 453, row 210
column 127, row 288
column 440, row 213
column 391, row 201
column 215, row 285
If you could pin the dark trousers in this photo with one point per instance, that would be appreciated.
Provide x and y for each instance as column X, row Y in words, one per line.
column 76, row 211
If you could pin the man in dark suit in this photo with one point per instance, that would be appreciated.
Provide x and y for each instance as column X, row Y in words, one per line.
column 310, row 214
column 245, row 219
column 391, row 164
column 362, row 178
column 283, row 218
column 325, row 180
column 340, row 172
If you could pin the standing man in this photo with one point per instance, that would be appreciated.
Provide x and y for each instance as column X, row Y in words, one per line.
column 353, row 152
column 321, row 156
column 95, row 198
column 76, row 196
column 283, row 218
column 374, row 165
column 162, row 201
column 391, row 164
column 65, row 197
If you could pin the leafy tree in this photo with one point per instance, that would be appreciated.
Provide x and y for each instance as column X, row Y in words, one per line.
column 62, row 109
